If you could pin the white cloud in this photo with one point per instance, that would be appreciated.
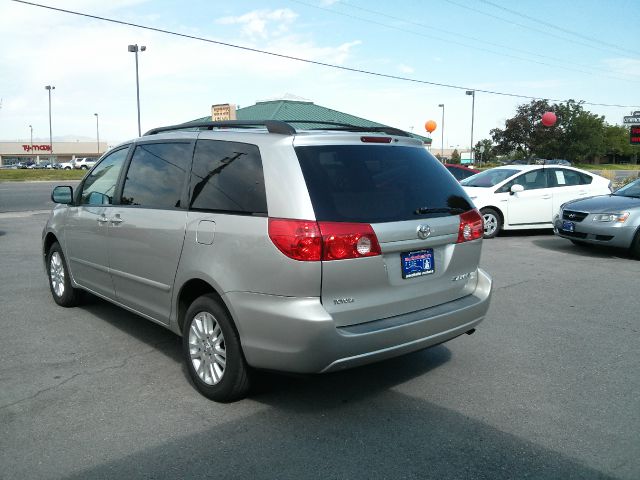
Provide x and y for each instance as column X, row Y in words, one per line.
column 260, row 22
column 624, row 66
column 405, row 68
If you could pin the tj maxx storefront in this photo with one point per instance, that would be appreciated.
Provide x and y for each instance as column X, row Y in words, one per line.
column 14, row 152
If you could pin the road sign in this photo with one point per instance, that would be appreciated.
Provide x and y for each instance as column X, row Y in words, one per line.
column 634, row 135
column 631, row 120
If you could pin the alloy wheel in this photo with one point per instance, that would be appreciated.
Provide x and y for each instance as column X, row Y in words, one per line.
column 207, row 348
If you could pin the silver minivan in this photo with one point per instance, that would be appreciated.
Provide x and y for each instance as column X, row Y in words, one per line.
column 270, row 247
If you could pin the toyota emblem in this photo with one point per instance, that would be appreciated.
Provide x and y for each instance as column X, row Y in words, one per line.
column 424, row 231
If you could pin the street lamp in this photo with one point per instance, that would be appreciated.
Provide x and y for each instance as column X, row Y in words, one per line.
column 97, row 134
column 31, row 150
column 473, row 107
column 442, row 134
column 135, row 49
column 49, row 88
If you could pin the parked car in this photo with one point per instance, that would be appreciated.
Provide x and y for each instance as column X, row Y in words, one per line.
column 84, row 163
column 612, row 220
column 43, row 165
column 27, row 164
column 516, row 197
column 374, row 245
column 64, row 165
column 557, row 161
column 460, row 172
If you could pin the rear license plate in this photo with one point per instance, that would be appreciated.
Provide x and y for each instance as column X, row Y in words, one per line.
column 418, row 263
column 568, row 226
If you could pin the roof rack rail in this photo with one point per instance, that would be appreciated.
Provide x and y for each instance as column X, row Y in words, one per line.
column 352, row 128
column 272, row 126
column 282, row 127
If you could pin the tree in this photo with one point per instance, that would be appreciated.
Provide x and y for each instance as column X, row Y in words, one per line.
column 578, row 135
column 489, row 153
column 455, row 156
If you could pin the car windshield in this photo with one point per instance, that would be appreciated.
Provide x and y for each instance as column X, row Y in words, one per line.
column 489, row 178
column 630, row 190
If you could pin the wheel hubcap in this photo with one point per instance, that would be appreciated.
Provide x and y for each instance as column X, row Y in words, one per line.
column 207, row 348
column 56, row 272
column 490, row 224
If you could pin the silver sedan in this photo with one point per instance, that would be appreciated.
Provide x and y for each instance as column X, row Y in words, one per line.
column 612, row 220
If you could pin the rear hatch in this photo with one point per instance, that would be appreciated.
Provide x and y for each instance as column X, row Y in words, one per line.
column 414, row 207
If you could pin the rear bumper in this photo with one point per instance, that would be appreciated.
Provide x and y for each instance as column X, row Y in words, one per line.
column 298, row 335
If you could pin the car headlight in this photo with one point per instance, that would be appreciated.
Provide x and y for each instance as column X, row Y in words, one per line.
column 611, row 217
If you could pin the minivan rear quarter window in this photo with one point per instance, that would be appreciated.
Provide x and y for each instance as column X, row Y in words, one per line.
column 378, row 183
column 227, row 177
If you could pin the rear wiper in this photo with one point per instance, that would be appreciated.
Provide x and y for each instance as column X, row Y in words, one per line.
column 427, row 210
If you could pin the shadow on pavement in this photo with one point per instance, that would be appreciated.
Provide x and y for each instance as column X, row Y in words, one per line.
column 563, row 245
column 345, row 425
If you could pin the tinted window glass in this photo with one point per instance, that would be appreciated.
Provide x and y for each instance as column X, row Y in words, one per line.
column 565, row 178
column 99, row 186
column 228, row 177
column 371, row 184
column 530, row 181
column 156, row 175
column 489, row 178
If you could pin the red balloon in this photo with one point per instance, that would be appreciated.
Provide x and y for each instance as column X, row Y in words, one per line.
column 430, row 126
column 549, row 119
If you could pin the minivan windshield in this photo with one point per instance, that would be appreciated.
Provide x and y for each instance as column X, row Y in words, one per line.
column 489, row 178
column 630, row 190
column 379, row 183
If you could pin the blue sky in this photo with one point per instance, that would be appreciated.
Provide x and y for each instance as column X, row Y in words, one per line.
column 561, row 50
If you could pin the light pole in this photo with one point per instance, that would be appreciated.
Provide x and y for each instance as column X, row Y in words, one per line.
column 31, row 141
column 97, row 134
column 442, row 134
column 473, row 107
column 135, row 49
column 49, row 88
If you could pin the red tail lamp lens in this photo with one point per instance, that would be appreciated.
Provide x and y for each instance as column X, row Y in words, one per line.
column 348, row 240
column 471, row 226
column 307, row 240
column 297, row 239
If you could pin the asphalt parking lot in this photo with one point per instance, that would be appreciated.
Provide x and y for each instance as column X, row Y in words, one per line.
column 548, row 386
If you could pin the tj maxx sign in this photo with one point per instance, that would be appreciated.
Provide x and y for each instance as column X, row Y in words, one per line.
column 37, row 148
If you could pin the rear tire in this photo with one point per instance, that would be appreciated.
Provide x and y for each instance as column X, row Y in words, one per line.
column 492, row 222
column 59, row 279
column 212, row 351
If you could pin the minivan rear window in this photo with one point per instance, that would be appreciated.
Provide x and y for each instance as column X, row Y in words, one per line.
column 378, row 183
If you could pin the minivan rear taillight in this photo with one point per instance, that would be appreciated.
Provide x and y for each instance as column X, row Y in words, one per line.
column 471, row 226
column 307, row 240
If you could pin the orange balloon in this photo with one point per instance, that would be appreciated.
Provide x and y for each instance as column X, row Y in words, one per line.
column 430, row 126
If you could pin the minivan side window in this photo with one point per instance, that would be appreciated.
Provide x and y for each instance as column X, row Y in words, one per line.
column 99, row 186
column 156, row 175
column 227, row 177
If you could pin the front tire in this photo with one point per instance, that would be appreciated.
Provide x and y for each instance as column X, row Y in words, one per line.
column 492, row 222
column 635, row 246
column 212, row 351
column 59, row 279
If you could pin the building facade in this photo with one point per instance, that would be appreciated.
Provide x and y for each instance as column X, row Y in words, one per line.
column 12, row 153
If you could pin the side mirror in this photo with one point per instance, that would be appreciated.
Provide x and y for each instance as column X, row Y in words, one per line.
column 516, row 188
column 62, row 194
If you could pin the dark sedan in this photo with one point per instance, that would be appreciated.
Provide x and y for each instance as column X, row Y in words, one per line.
column 612, row 220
